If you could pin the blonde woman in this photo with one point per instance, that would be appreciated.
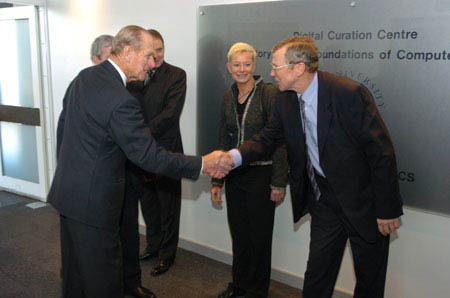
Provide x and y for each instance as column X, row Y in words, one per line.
column 251, row 192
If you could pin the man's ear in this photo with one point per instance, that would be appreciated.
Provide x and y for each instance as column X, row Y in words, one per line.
column 95, row 60
column 300, row 68
column 127, row 53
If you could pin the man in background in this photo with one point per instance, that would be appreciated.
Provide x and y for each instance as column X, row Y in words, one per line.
column 162, row 97
column 101, row 48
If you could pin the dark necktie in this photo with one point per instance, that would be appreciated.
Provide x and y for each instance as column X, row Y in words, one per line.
column 149, row 76
column 309, row 165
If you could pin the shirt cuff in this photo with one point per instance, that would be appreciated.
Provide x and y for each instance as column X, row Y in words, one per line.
column 277, row 187
column 237, row 157
column 201, row 169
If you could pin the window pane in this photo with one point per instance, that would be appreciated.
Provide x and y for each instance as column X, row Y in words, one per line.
column 16, row 86
column 19, row 157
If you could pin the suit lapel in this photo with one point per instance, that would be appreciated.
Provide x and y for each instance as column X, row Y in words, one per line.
column 324, row 111
column 155, row 85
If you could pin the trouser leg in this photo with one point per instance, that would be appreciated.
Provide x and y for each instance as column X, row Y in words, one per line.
column 261, row 212
column 161, row 209
column 239, row 229
column 330, row 229
column 169, row 197
column 370, row 261
column 251, row 217
column 71, row 280
column 97, row 256
column 151, row 213
column 129, row 232
column 327, row 244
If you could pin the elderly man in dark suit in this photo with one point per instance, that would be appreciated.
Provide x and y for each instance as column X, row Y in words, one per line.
column 162, row 97
column 100, row 127
column 342, row 168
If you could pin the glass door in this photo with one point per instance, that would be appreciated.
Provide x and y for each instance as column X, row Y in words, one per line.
column 22, row 134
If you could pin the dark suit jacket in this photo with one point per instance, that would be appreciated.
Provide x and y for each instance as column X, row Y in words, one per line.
column 355, row 152
column 162, row 101
column 102, row 125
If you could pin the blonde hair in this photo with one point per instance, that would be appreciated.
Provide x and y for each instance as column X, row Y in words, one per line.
column 300, row 49
column 241, row 47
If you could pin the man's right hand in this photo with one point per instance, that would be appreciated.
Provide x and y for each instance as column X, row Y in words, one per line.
column 217, row 164
column 387, row 226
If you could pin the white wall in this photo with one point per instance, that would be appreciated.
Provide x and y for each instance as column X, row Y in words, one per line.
column 420, row 255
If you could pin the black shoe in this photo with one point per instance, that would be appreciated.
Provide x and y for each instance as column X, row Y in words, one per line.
column 162, row 267
column 140, row 292
column 231, row 292
column 148, row 254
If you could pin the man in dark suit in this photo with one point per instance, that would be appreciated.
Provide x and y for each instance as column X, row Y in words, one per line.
column 342, row 168
column 100, row 127
column 162, row 97
column 129, row 227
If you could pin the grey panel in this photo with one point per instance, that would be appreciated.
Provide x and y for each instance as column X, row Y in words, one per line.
column 407, row 74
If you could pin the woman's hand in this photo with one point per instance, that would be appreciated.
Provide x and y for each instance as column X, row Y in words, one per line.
column 277, row 195
column 216, row 194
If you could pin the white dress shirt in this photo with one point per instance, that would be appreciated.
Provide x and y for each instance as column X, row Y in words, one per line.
column 122, row 74
column 310, row 97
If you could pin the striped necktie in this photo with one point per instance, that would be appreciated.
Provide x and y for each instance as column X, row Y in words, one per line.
column 148, row 76
column 309, row 165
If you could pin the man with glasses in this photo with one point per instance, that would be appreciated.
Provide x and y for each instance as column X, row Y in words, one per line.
column 342, row 167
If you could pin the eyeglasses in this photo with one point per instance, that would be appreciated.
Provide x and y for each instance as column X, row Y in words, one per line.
column 275, row 68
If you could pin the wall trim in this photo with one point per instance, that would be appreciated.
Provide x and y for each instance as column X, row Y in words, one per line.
column 224, row 256
column 26, row 195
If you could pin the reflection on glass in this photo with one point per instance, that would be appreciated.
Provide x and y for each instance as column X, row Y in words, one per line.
column 19, row 157
column 16, row 87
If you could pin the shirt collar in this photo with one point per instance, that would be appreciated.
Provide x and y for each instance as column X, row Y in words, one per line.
column 308, row 95
column 122, row 74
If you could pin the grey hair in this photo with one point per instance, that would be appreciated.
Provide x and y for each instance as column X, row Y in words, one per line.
column 99, row 43
column 128, row 36
column 300, row 49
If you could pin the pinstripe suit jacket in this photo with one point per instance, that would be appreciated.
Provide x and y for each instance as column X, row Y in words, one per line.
column 162, row 101
column 100, row 127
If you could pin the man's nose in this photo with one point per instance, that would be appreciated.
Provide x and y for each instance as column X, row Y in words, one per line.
column 272, row 73
column 241, row 67
column 151, row 62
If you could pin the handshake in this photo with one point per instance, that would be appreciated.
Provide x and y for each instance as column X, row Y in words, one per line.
column 217, row 164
